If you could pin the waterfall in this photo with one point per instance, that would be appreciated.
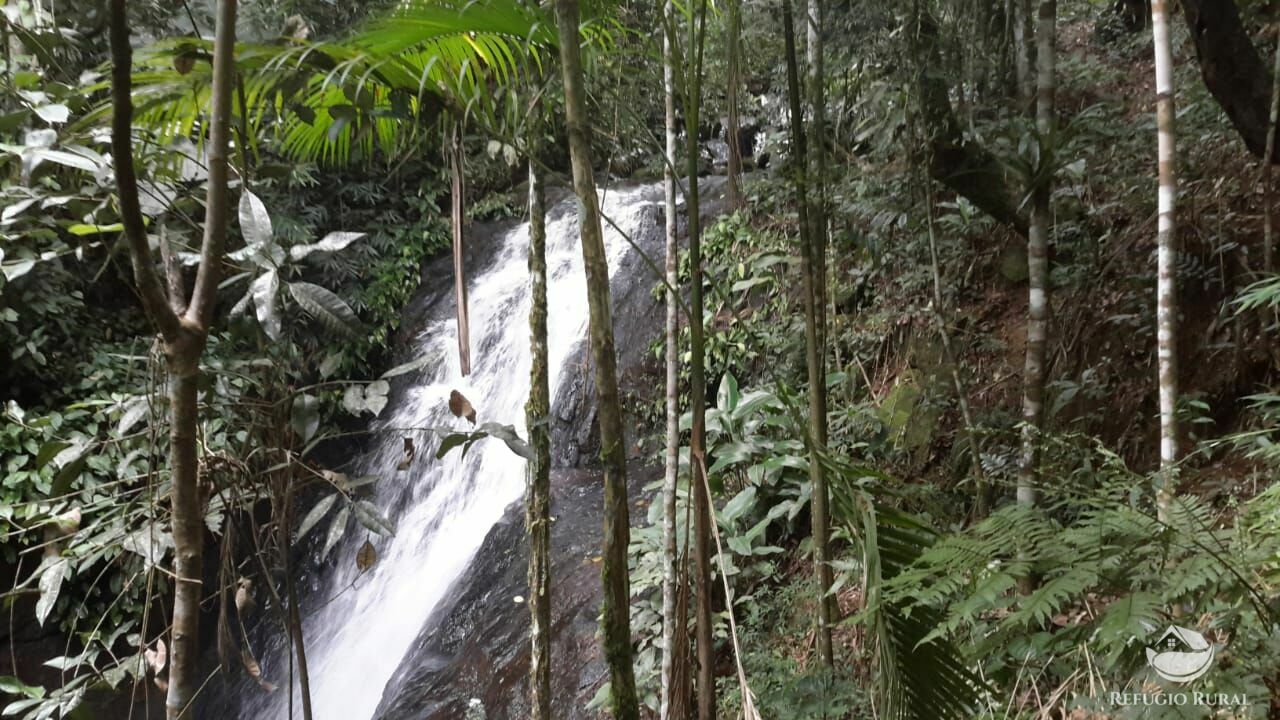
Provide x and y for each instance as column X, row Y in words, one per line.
column 360, row 625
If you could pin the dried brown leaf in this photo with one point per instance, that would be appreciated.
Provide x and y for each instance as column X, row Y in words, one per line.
column 407, row 460
column 366, row 557
column 461, row 407
column 255, row 671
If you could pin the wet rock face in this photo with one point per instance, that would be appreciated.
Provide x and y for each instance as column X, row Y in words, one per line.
column 477, row 645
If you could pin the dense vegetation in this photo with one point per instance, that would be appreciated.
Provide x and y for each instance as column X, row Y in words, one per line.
column 972, row 380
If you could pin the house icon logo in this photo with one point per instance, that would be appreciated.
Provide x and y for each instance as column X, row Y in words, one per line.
column 1180, row 655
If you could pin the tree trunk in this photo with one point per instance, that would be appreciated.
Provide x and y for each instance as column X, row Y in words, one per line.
column 615, row 618
column 1038, row 263
column 1268, row 237
column 818, row 172
column 702, row 553
column 1166, row 256
column 184, row 334
column 817, row 411
column 1231, row 66
column 674, row 625
column 733, row 132
column 538, row 509
column 457, row 197
column 1024, row 53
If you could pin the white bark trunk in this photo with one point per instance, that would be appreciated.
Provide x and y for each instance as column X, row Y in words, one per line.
column 1167, row 280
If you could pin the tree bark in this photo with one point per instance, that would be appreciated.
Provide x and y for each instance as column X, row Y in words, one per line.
column 184, row 334
column 815, row 439
column 1024, row 54
column 538, row 509
column 615, row 606
column 1166, row 253
column 457, row 198
column 702, row 553
column 1268, row 236
column 1038, row 262
column 1232, row 68
column 674, row 625
column 733, row 133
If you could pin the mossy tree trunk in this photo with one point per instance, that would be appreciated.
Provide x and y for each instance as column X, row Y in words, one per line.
column 615, row 615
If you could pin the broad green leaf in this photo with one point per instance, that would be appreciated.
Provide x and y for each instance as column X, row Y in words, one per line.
column 507, row 434
column 56, row 113
column 451, row 441
column 333, row 242
column 327, row 308
column 316, row 514
column 337, row 528
column 50, row 585
column 305, row 416
column 408, row 367
column 255, row 223
column 375, row 396
column 728, row 395
column 372, row 518
column 739, row 505
column 265, row 289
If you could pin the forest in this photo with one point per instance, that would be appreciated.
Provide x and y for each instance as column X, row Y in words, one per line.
column 675, row 360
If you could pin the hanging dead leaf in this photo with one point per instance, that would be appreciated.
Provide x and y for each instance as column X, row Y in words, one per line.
column 244, row 597
column 162, row 684
column 366, row 557
column 255, row 671
column 157, row 658
column 184, row 61
column 460, row 406
column 407, row 459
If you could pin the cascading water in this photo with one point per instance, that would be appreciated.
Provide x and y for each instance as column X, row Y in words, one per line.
column 362, row 624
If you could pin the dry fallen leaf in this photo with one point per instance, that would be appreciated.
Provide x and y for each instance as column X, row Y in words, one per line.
column 244, row 596
column 460, row 406
column 407, row 460
column 255, row 671
column 157, row 658
column 366, row 557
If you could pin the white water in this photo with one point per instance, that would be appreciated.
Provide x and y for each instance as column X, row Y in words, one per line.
column 444, row 508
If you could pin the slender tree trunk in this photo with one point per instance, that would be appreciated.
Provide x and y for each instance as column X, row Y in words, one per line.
column 1024, row 53
column 702, row 552
column 817, row 97
column 184, row 334
column 817, row 411
column 733, row 133
column 295, row 614
column 674, row 626
column 1268, row 212
column 615, row 607
column 1038, row 265
column 538, row 510
column 1166, row 258
column 458, row 199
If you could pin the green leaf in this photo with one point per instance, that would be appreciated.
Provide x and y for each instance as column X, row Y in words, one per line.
column 326, row 307
column 316, row 514
column 255, row 223
column 337, row 528
column 13, row 686
column 56, row 113
column 333, row 242
column 305, row 416
column 264, row 290
column 82, row 229
column 451, row 441
column 507, row 434
column 739, row 505
column 50, row 585
column 727, row 397
column 369, row 516
column 408, row 367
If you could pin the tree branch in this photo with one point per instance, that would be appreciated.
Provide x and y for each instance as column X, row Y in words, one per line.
column 205, row 292
column 135, row 230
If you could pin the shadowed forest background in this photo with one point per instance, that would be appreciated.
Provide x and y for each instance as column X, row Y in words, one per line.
column 767, row 359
